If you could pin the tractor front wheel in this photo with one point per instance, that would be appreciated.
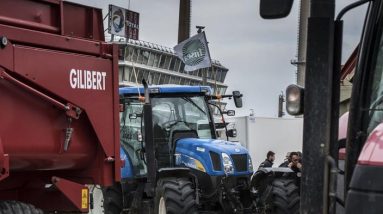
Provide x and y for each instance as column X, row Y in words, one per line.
column 175, row 196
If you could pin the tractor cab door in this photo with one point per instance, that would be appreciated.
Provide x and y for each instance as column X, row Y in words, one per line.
column 131, row 132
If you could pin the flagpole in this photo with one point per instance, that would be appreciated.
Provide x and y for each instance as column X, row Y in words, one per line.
column 208, row 53
column 215, row 87
column 204, row 76
column 215, row 79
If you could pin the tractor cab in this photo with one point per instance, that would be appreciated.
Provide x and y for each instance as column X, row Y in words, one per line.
column 177, row 112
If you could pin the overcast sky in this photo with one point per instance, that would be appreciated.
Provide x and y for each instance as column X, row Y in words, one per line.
column 257, row 52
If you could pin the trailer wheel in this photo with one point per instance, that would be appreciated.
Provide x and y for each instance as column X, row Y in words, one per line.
column 11, row 207
column 282, row 197
column 113, row 201
column 175, row 196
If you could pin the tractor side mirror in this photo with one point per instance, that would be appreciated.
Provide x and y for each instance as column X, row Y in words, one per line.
column 232, row 133
column 294, row 100
column 275, row 9
column 134, row 116
column 237, row 99
column 230, row 113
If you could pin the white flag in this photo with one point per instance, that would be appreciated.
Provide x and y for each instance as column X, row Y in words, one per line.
column 194, row 52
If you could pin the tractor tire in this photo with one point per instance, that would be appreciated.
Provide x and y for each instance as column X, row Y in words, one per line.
column 113, row 201
column 175, row 196
column 16, row 207
column 282, row 197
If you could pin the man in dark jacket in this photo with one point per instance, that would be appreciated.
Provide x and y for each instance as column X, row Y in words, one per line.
column 270, row 157
column 286, row 161
column 295, row 164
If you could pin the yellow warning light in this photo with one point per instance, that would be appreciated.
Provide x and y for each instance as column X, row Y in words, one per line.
column 84, row 198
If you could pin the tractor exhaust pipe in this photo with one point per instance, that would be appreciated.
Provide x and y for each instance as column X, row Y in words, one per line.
column 149, row 145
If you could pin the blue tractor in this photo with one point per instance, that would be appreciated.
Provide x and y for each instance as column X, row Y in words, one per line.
column 174, row 162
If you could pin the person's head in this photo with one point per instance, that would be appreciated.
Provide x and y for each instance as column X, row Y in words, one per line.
column 270, row 156
column 294, row 157
column 299, row 154
column 288, row 156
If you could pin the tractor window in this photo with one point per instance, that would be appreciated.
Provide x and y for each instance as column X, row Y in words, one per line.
column 376, row 106
column 181, row 113
column 131, row 135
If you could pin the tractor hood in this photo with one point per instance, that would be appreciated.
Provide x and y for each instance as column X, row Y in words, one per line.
column 208, row 152
column 214, row 145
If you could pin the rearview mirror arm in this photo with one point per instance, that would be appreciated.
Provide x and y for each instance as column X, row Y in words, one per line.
column 223, row 118
column 216, row 97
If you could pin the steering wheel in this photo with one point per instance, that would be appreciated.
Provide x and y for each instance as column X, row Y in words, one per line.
column 171, row 123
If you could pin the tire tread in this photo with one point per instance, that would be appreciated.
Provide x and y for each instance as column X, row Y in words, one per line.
column 178, row 194
column 113, row 201
column 17, row 207
column 285, row 196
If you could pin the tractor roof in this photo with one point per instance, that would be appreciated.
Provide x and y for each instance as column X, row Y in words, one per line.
column 166, row 89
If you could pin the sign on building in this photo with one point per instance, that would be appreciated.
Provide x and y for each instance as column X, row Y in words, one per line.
column 132, row 24
column 123, row 22
column 116, row 25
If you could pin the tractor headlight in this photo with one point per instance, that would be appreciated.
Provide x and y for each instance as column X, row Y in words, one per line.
column 184, row 160
column 250, row 166
column 227, row 164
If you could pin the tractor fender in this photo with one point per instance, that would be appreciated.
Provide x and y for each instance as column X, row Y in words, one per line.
column 126, row 169
column 177, row 172
column 263, row 173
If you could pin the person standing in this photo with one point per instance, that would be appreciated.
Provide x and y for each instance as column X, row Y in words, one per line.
column 295, row 164
column 286, row 161
column 270, row 157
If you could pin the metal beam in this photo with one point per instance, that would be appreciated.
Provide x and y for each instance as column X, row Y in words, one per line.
column 318, row 97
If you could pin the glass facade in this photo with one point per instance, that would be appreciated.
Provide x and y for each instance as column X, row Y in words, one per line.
column 159, row 65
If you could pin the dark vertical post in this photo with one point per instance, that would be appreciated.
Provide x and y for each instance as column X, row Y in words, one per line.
column 149, row 144
column 317, row 101
column 184, row 20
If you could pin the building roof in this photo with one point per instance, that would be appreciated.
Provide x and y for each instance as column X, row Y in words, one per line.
column 348, row 70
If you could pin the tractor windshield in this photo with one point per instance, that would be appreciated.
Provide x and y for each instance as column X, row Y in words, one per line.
column 180, row 113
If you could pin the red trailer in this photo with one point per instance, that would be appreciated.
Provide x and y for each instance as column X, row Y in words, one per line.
column 59, row 105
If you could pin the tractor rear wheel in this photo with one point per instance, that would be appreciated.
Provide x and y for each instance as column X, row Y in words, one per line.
column 11, row 207
column 113, row 201
column 175, row 196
